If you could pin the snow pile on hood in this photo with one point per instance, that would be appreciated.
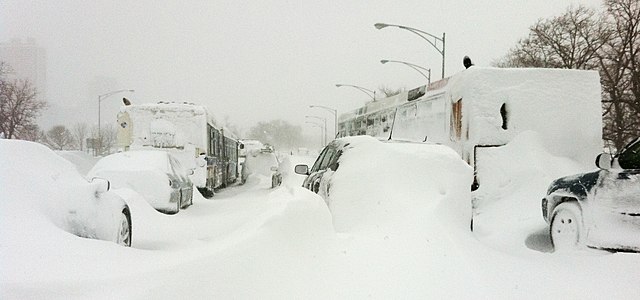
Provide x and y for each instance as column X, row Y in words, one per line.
column 38, row 191
column 34, row 172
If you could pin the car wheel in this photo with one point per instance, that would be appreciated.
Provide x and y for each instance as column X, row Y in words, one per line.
column 206, row 192
column 124, row 228
column 566, row 227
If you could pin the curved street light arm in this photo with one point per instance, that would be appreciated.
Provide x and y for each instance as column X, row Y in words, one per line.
column 103, row 96
column 369, row 92
column 332, row 110
column 417, row 32
column 413, row 66
column 335, row 116
column 421, row 34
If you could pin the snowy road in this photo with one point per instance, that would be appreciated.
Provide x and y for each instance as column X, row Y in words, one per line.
column 253, row 242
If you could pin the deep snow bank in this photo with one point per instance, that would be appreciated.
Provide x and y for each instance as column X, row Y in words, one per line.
column 508, row 203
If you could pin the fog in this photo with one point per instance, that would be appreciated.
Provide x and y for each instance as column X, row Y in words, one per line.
column 251, row 61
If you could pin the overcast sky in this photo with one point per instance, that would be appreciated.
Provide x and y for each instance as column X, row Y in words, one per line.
column 252, row 61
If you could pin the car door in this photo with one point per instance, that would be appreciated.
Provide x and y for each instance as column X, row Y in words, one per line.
column 319, row 168
column 616, row 205
column 316, row 165
column 324, row 184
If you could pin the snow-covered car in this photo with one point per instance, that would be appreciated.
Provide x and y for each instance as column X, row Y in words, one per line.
column 373, row 179
column 326, row 161
column 35, row 177
column 154, row 174
column 599, row 209
column 264, row 162
column 329, row 160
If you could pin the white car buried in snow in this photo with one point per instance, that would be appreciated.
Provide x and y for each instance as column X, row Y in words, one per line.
column 154, row 174
column 364, row 177
column 34, row 177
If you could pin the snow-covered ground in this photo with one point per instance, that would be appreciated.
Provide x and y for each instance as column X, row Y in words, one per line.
column 253, row 242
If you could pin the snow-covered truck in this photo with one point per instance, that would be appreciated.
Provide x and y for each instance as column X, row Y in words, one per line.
column 190, row 133
column 479, row 110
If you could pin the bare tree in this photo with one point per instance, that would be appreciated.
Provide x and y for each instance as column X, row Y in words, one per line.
column 19, row 108
column 104, row 143
column 59, row 138
column 619, row 61
column 609, row 43
column 80, row 132
column 278, row 133
column 32, row 133
column 568, row 41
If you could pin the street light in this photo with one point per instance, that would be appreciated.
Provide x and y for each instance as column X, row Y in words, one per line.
column 421, row 34
column 369, row 92
column 322, row 143
column 324, row 120
column 100, row 98
column 413, row 66
column 335, row 117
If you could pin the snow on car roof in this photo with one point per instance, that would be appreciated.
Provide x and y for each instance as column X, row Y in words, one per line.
column 134, row 160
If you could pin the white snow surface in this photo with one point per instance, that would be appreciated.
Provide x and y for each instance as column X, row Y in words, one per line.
column 396, row 231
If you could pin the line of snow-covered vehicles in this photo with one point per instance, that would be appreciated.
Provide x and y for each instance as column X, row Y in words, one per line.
column 166, row 150
column 479, row 111
column 201, row 153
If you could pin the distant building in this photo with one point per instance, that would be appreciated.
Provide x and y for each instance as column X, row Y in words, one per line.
column 27, row 61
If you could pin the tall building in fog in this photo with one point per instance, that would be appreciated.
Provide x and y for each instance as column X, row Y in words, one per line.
column 27, row 61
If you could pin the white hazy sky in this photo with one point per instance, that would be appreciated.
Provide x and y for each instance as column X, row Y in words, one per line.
column 252, row 61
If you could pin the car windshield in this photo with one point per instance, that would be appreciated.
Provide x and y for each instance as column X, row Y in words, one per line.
column 629, row 157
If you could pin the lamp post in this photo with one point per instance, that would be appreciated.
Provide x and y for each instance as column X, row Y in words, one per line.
column 369, row 92
column 321, row 132
column 324, row 120
column 422, row 34
column 413, row 66
column 100, row 98
column 335, row 117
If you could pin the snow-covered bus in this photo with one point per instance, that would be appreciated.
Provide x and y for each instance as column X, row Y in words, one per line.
column 190, row 133
column 478, row 110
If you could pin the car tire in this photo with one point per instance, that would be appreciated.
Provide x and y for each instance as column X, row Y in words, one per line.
column 124, row 228
column 566, row 228
column 206, row 192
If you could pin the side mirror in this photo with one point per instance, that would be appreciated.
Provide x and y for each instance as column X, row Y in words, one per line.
column 102, row 185
column 190, row 172
column 603, row 161
column 201, row 161
column 274, row 169
column 302, row 169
